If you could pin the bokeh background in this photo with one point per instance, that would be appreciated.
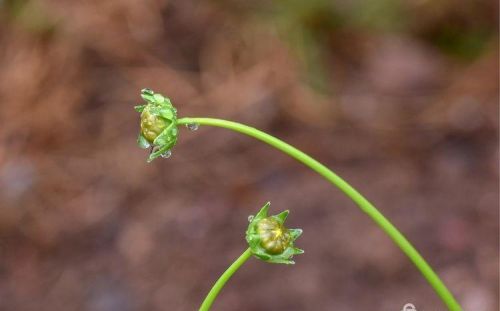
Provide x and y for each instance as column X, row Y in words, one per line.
column 398, row 97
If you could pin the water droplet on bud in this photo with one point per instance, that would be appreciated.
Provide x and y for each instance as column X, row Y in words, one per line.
column 147, row 91
column 166, row 154
column 250, row 218
column 192, row 126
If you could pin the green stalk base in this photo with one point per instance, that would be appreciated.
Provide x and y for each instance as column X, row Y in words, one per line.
column 214, row 292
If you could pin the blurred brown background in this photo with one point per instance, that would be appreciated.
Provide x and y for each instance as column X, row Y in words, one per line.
column 398, row 97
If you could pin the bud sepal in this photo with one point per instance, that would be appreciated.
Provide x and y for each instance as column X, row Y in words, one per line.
column 270, row 240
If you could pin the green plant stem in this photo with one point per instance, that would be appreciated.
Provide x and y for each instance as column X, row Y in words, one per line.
column 352, row 193
column 209, row 300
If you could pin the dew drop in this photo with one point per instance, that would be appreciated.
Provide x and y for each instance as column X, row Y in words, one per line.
column 147, row 91
column 250, row 218
column 192, row 126
column 145, row 144
column 166, row 154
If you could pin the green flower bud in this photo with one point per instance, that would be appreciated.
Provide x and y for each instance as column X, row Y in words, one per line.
column 158, row 124
column 269, row 239
column 151, row 125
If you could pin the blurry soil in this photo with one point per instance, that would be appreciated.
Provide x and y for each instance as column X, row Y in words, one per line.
column 87, row 224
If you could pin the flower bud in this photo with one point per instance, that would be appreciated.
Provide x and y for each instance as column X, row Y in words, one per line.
column 151, row 125
column 270, row 240
column 158, row 124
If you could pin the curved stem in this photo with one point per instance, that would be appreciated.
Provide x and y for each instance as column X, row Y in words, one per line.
column 352, row 193
column 209, row 300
